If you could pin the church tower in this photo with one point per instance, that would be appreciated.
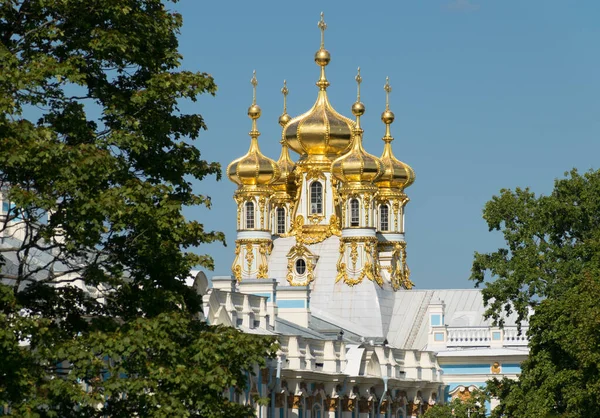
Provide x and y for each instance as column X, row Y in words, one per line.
column 254, row 174
column 355, row 174
column 391, row 201
column 332, row 219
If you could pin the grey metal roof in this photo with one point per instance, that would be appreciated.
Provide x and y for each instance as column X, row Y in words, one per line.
column 409, row 325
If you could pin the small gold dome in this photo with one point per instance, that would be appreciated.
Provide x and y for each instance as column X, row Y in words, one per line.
column 253, row 169
column 287, row 176
column 357, row 166
column 396, row 175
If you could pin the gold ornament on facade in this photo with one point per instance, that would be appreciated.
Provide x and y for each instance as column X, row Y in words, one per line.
column 496, row 368
column 396, row 175
column 354, row 254
column 253, row 169
column 313, row 234
column 332, row 404
column 370, row 268
column 321, row 134
column 249, row 255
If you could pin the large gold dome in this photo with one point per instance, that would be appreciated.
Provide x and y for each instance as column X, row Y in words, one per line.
column 321, row 134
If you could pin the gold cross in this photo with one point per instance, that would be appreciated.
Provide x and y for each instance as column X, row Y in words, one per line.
column 285, row 92
column 322, row 25
column 254, row 83
column 388, row 90
column 358, row 79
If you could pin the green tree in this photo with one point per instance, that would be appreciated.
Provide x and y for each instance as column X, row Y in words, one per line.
column 472, row 407
column 95, row 167
column 549, row 272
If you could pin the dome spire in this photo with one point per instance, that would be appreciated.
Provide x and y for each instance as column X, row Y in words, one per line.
column 387, row 116
column 397, row 174
column 284, row 118
column 254, row 110
column 322, row 57
column 358, row 108
column 322, row 25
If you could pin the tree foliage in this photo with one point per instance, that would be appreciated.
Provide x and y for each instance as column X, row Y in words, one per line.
column 551, row 265
column 96, row 160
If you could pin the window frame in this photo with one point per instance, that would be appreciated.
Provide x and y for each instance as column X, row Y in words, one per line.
column 387, row 217
column 249, row 215
column 316, row 198
column 303, row 266
column 354, row 212
column 280, row 220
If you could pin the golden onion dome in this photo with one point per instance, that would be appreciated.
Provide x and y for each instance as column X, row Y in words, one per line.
column 287, row 175
column 357, row 166
column 253, row 169
column 397, row 175
column 321, row 133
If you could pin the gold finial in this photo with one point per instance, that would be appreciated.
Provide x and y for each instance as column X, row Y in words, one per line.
column 387, row 116
column 254, row 83
column 388, row 90
column 358, row 109
column 322, row 25
column 322, row 57
column 358, row 79
column 285, row 92
column 284, row 118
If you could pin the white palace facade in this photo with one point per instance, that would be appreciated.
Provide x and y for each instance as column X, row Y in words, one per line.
column 321, row 264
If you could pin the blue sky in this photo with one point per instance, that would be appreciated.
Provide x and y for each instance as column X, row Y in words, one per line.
column 487, row 95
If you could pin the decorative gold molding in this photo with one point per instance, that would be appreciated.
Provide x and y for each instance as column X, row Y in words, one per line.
column 313, row 234
column 249, row 255
column 370, row 269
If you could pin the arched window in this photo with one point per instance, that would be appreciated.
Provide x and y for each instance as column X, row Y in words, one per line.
column 280, row 213
column 250, row 215
column 354, row 213
column 384, row 218
column 316, row 198
column 300, row 266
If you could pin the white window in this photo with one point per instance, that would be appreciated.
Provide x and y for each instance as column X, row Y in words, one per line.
column 384, row 218
column 354, row 212
column 280, row 212
column 316, row 198
column 250, row 215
